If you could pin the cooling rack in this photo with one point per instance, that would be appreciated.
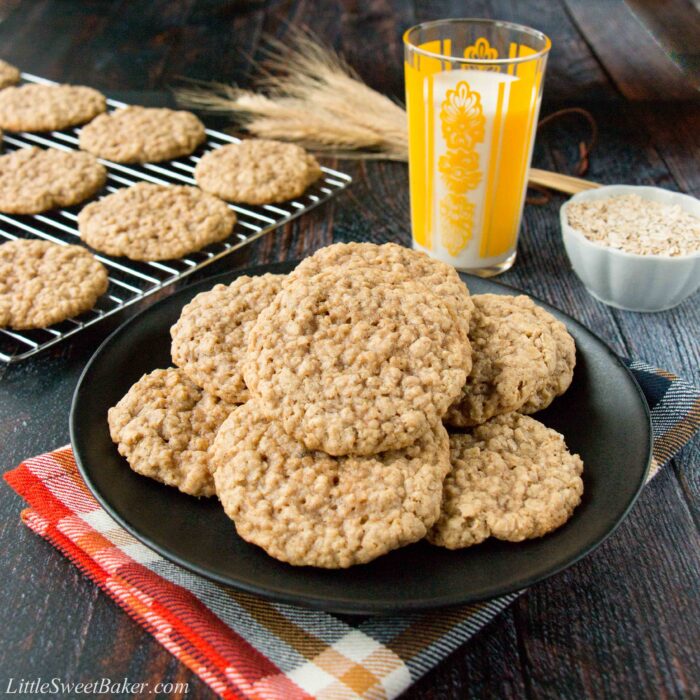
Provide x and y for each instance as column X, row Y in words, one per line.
column 131, row 281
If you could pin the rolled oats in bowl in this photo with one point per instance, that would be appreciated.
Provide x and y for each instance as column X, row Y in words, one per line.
column 635, row 248
column 637, row 225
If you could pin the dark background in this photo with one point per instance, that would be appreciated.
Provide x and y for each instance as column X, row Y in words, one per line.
column 623, row 622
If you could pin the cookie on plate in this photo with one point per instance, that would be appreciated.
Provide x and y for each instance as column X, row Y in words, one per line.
column 514, row 355
column 512, row 478
column 210, row 338
column 9, row 75
column 257, row 171
column 308, row 508
column 33, row 180
column 48, row 107
column 164, row 426
column 142, row 135
column 355, row 361
column 560, row 379
column 155, row 222
column 439, row 277
column 43, row 283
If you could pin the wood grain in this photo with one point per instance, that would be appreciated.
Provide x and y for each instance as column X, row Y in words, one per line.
column 638, row 66
column 675, row 27
column 675, row 130
column 623, row 622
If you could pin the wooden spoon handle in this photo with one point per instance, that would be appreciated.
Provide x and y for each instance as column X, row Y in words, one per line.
column 561, row 183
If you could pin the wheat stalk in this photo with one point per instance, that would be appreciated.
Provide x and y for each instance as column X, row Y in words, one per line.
column 311, row 97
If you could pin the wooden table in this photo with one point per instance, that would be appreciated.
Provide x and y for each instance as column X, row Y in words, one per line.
column 622, row 623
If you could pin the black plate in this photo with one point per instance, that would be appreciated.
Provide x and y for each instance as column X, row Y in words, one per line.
column 603, row 416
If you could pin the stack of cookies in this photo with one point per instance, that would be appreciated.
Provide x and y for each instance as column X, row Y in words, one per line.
column 144, row 222
column 317, row 405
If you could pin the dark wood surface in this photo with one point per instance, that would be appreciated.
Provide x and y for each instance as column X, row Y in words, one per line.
column 622, row 623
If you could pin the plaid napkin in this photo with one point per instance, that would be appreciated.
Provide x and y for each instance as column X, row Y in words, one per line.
column 246, row 647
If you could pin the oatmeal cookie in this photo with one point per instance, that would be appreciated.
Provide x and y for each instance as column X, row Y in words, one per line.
column 48, row 107
column 257, row 171
column 355, row 363
column 308, row 508
column 9, row 75
column 164, row 426
column 440, row 278
column 512, row 478
column 33, row 180
column 210, row 338
column 155, row 222
column 43, row 283
column 560, row 379
column 142, row 135
column 514, row 355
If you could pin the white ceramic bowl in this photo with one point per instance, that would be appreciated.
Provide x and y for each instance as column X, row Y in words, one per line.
column 627, row 280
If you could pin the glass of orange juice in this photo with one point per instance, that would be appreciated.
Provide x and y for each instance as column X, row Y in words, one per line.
column 473, row 94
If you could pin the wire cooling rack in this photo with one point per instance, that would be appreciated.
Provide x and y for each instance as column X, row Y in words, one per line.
column 131, row 281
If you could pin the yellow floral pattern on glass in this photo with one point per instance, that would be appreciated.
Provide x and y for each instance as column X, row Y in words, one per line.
column 463, row 123
column 460, row 170
column 462, row 117
column 457, row 216
column 481, row 50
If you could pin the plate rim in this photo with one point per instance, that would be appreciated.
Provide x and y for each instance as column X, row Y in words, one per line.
column 339, row 603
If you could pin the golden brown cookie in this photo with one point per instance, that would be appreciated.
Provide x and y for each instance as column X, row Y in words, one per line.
column 42, row 283
column 514, row 355
column 48, row 107
column 142, row 135
column 440, row 278
column 511, row 478
column 560, row 379
column 210, row 338
column 164, row 426
column 308, row 508
column 257, row 171
column 33, row 180
column 9, row 75
column 355, row 361
column 155, row 222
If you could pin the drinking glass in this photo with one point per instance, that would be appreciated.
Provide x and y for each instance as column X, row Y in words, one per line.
column 473, row 94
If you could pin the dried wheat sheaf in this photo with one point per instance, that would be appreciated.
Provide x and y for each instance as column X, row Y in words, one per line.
column 312, row 97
